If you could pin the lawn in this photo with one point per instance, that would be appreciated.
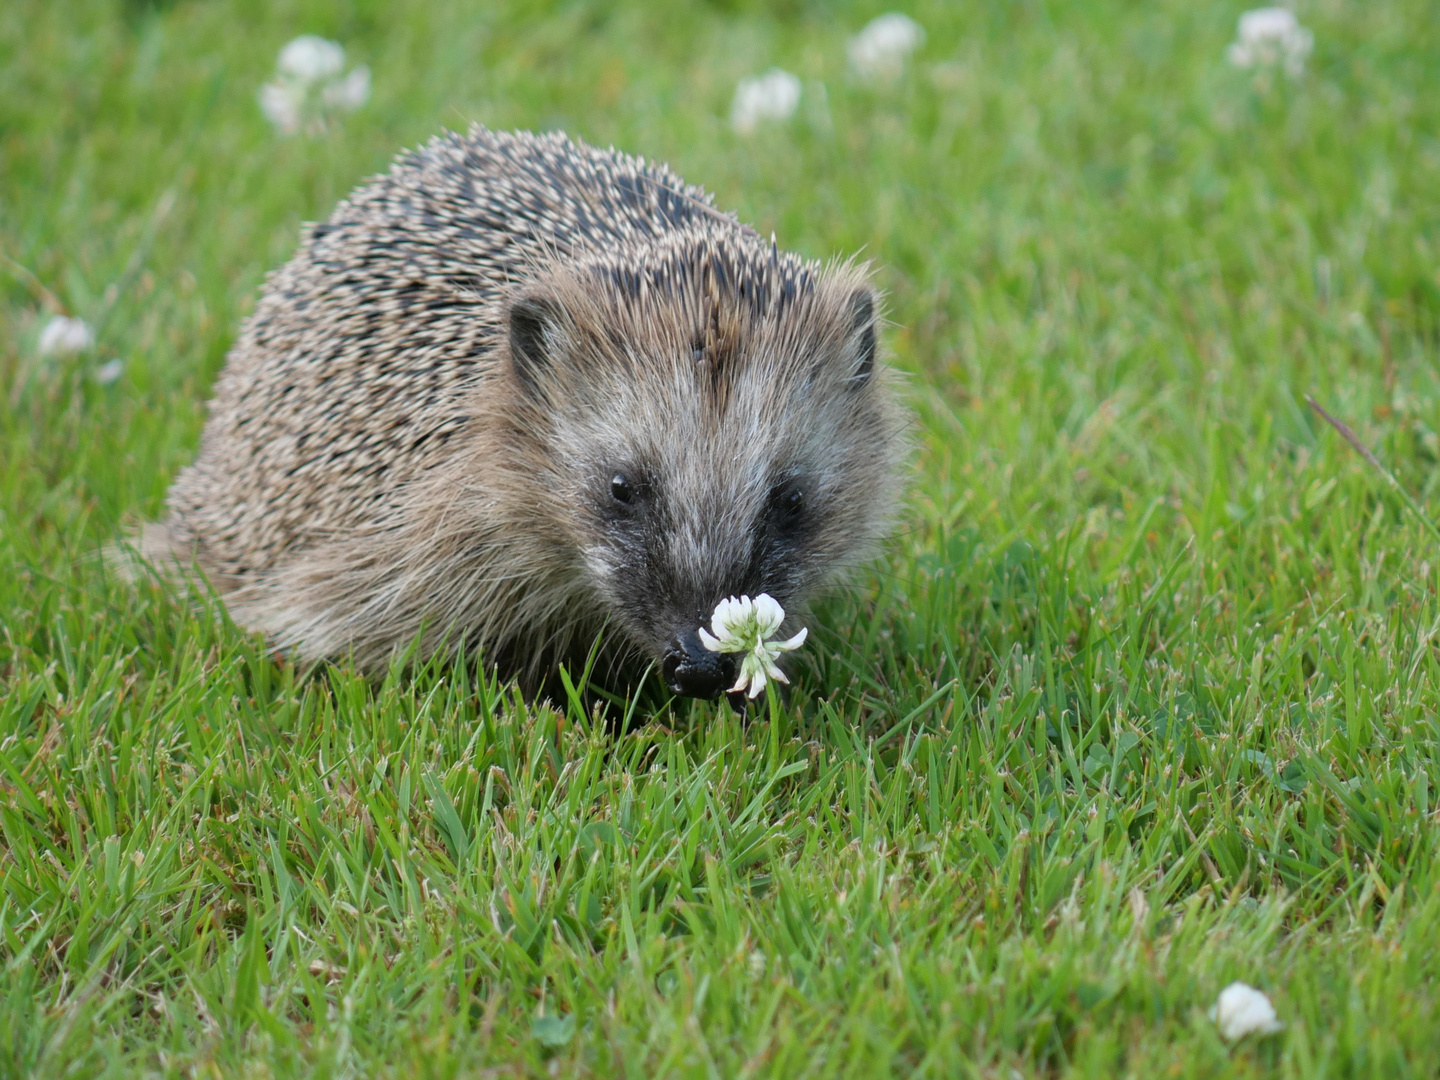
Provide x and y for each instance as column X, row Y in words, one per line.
column 1143, row 698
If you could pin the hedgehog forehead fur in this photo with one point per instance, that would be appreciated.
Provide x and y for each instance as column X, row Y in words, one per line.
column 424, row 433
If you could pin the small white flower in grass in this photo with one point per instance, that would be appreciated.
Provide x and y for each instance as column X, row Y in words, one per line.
column 350, row 92
column 311, row 58
column 772, row 96
column 742, row 625
column 109, row 371
column 880, row 50
column 1271, row 37
column 64, row 336
column 309, row 88
column 283, row 104
column 1242, row 1010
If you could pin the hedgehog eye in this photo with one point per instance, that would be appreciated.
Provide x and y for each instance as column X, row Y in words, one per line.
column 787, row 504
column 621, row 490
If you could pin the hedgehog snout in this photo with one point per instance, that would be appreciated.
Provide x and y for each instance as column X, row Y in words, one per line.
column 691, row 670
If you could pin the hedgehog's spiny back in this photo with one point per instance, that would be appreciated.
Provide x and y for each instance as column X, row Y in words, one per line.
column 352, row 375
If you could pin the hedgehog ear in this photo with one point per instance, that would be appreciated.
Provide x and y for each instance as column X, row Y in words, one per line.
column 860, row 348
column 534, row 338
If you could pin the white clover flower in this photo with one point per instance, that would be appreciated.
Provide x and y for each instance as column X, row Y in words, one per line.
column 1270, row 37
column 772, row 96
column 879, row 51
column 109, row 371
column 742, row 625
column 1242, row 1010
column 64, row 336
column 283, row 103
column 309, row 90
column 311, row 58
column 350, row 92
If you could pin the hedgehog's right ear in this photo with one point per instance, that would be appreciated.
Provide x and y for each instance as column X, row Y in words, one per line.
column 860, row 347
column 535, row 340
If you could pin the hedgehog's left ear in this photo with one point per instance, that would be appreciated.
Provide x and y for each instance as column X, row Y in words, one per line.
column 535, row 339
column 860, row 343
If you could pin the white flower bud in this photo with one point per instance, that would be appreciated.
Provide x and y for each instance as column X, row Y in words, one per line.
column 880, row 50
column 1242, row 1010
column 350, row 92
column 772, row 96
column 109, row 371
column 310, row 58
column 64, row 336
column 1271, row 37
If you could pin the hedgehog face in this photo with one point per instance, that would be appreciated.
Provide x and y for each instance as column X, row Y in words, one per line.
column 700, row 446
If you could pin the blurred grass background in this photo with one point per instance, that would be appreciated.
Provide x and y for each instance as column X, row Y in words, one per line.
column 1141, row 700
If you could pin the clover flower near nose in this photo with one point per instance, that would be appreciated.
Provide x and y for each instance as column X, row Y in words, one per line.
column 742, row 625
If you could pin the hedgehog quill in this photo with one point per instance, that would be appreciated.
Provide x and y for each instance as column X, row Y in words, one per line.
column 522, row 393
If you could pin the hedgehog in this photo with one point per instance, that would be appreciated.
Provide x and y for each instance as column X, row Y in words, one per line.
column 528, row 397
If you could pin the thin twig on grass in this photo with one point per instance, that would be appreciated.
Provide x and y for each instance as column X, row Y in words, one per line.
column 1354, row 440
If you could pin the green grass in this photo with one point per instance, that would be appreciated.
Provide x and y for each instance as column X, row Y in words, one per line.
column 1141, row 700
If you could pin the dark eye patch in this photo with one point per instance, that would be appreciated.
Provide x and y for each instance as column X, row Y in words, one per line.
column 787, row 506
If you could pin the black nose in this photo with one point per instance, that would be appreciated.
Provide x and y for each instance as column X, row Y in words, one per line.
column 691, row 670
